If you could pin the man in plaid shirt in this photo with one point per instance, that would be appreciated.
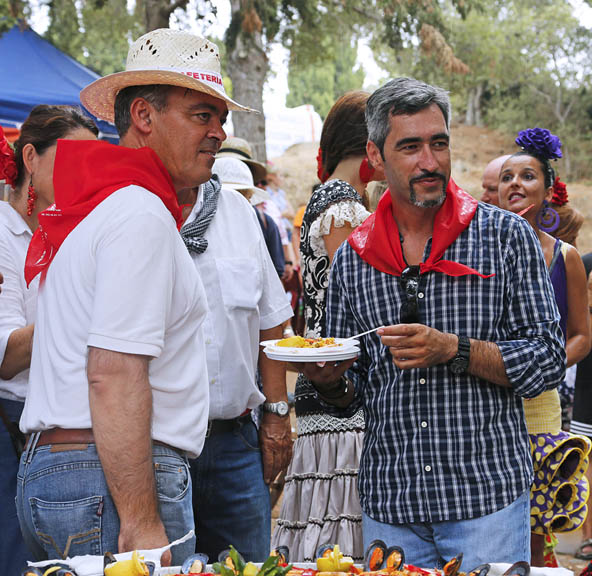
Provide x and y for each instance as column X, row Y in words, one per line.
column 470, row 328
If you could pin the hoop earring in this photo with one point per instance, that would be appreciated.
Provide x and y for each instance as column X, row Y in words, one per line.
column 31, row 197
column 547, row 219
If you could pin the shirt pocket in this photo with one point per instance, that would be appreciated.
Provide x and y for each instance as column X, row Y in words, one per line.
column 240, row 282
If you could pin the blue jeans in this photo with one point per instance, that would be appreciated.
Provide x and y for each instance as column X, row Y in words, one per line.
column 503, row 536
column 65, row 509
column 230, row 499
column 13, row 552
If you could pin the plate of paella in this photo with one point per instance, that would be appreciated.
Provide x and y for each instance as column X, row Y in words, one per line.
column 299, row 349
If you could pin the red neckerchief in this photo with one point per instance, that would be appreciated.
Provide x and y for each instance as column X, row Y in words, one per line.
column 377, row 240
column 85, row 173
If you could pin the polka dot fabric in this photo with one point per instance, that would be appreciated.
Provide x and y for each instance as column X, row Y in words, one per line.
column 559, row 493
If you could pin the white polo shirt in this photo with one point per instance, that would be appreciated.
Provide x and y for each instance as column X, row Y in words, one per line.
column 17, row 302
column 123, row 281
column 245, row 295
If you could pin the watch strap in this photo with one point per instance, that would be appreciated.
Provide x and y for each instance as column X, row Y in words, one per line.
column 281, row 408
column 464, row 347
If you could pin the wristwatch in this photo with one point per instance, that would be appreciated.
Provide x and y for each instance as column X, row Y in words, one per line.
column 280, row 408
column 460, row 363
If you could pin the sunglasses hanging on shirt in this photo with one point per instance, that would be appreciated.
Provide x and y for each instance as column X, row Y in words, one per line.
column 410, row 281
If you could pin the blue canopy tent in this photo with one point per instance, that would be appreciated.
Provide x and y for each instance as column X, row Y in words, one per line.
column 33, row 71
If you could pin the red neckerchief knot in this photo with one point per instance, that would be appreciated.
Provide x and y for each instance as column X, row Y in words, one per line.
column 377, row 240
column 86, row 172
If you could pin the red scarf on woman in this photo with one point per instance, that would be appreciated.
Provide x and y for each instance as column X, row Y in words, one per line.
column 85, row 173
column 377, row 240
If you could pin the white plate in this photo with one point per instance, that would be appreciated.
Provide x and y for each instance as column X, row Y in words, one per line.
column 343, row 345
column 294, row 355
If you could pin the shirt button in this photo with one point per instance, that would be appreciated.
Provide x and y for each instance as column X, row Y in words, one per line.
column 424, row 424
column 428, row 468
column 420, row 295
column 422, row 380
column 213, row 381
column 208, row 341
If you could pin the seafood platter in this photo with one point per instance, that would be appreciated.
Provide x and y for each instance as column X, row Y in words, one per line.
column 379, row 560
column 300, row 349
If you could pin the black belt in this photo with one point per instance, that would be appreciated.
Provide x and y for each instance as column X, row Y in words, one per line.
column 224, row 426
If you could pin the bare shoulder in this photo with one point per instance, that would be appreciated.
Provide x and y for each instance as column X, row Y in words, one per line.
column 574, row 264
column 572, row 255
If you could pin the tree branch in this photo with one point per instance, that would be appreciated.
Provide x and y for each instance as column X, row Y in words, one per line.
column 339, row 4
column 543, row 94
column 172, row 7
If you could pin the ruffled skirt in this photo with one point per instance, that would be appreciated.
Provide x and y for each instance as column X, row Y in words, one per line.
column 559, row 493
column 320, row 503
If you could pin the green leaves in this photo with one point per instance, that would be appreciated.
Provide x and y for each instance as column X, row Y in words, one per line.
column 269, row 568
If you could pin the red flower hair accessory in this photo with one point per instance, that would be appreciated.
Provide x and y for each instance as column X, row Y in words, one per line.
column 8, row 170
column 559, row 193
column 322, row 175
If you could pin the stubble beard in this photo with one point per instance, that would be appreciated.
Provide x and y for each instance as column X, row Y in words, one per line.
column 426, row 203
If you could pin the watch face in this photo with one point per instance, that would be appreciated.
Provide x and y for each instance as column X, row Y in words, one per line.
column 459, row 365
column 282, row 408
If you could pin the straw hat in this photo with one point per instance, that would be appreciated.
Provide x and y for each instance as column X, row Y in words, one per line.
column 234, row 147
column 163, row 56
column 235, row 174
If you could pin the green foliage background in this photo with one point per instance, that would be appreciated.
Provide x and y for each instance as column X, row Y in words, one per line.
column 508, row 64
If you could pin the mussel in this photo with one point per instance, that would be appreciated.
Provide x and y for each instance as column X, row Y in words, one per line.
column 57, row 569
column 452, row 566
column 283, row 552
column 108, row 558
column 395, row 558
column 518, row 569
column 194, row 564
column 225, row 557
column 375, row 555
column 480, row 570
column 324, row 550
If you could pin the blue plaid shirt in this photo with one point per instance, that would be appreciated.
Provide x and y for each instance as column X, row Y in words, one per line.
column 438, row 446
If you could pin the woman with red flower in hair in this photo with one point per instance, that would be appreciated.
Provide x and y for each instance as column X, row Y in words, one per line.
column 559, row 493
column 28, row 170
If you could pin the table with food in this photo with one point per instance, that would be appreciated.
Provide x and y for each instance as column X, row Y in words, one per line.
column 379, row 560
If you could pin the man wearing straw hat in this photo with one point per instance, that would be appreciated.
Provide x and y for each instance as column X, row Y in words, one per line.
column 119, row 389
column 246, row 305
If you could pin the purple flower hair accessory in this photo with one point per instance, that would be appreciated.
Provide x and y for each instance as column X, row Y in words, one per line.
column 541, row 142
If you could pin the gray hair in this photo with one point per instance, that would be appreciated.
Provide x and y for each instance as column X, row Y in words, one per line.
column 401, row 96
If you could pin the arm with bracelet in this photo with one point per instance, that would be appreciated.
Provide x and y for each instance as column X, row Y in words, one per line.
column 340, row 386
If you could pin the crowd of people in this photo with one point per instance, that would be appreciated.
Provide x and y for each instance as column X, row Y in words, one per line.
column 136, row 402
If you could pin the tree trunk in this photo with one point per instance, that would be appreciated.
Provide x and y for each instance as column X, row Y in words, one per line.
column 470, row 114
column 157, row 13
column 247, row 68
column 566, row 163
column 473, row 116
column 478, row 95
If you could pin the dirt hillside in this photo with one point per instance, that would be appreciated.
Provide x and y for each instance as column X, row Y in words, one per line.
column 472, row 148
